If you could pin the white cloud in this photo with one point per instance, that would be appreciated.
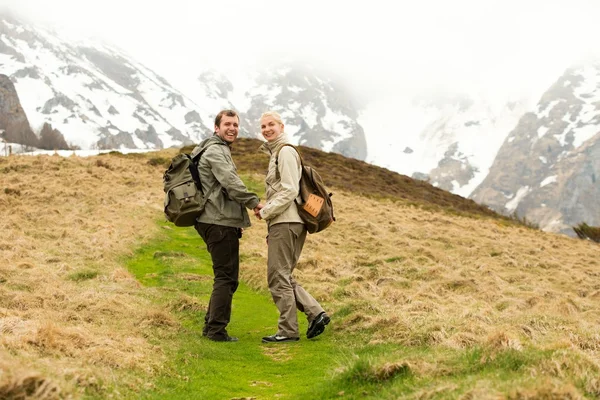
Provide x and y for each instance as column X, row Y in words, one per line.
column 382, row 49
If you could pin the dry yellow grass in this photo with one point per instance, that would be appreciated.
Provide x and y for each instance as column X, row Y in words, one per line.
column 421, row 278
column 418, row 278
column 64, row 220
column 395, row 272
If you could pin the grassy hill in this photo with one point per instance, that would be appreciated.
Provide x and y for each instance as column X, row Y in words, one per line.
column 363, row 179
column 431, row 295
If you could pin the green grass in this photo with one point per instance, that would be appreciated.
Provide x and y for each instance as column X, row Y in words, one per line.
column 334, row 365
column 84, row 275
column 179, row 264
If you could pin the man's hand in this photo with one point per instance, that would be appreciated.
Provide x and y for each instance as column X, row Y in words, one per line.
column 257, row 210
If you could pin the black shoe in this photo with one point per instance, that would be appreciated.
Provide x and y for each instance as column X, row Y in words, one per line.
column 224, row 339
column 317, row 326
column 279, row 339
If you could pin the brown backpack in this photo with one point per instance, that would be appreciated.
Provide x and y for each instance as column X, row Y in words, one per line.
column 316, row 209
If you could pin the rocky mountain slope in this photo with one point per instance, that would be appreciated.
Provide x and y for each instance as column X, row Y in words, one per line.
column 13, row 121
column 548, row 167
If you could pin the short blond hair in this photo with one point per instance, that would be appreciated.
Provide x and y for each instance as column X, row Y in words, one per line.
column 273, row 114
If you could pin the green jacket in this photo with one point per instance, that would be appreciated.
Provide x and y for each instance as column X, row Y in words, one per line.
column 226, row 202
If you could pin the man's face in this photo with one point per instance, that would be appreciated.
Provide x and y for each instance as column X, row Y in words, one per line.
column 228, row 129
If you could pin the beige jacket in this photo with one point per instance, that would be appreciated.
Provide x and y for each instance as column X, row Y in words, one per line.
column 284, row 187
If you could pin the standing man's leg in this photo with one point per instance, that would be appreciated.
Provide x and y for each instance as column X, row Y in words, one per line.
column 223, row 244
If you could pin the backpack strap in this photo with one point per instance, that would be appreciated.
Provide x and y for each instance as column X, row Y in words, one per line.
column 196, row 175
column 277, row 175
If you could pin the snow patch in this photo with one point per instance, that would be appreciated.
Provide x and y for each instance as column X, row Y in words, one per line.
column 587, row 90
column 546, row 112
column 292, row 130
column 548, row 180
column 309, row 115
column 294, row 105
column 584, row 133
column 338, row 123
column 514, row 203
column 542, row 130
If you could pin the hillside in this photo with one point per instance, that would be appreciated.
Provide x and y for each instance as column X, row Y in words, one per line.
column 362, row 178
column 421, row 271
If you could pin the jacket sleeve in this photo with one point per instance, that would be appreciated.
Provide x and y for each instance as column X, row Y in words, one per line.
column 289, row 172
column 223, row 169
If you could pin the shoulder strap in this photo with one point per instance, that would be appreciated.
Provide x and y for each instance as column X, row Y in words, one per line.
column 195, row 174
column 277, row 158
column 277, row 175
column 292, row 146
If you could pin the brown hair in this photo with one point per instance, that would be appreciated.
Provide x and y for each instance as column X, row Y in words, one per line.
column 228, row 113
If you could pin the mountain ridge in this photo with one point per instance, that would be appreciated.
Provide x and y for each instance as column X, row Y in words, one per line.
column 99, row 97
column 547, row 168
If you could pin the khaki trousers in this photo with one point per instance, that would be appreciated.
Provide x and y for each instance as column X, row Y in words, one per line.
column 285, row 245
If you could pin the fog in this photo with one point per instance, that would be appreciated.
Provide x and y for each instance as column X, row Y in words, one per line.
column 381, row 50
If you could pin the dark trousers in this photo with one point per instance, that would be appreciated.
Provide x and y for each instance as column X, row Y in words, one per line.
column 223, row 244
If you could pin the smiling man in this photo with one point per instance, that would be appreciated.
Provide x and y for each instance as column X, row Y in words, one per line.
column 221, row 223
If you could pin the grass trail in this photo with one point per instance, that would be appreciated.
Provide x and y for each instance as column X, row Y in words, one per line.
column 179, row 266
column 334, row 365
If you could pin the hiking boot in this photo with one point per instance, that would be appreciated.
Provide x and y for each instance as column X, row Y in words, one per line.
column 279, row 339
column 317, row 325
column 224, row 339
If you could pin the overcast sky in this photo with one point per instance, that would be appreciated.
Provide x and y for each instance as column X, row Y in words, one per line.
column 380, row 48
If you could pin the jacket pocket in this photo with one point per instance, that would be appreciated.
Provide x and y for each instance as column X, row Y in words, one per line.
column 232, row 210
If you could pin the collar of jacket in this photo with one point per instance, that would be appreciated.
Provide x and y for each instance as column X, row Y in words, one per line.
column 214, row 139
column 275, row 145
column 218, row 138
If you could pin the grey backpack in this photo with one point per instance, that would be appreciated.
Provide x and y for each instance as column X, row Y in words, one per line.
column 184, row 200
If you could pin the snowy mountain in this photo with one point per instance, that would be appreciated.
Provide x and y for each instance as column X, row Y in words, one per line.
column 99, row 97
column 95, row 94
column 538, row 159
column 316, row 112
column 548, row 168
column 448, row 140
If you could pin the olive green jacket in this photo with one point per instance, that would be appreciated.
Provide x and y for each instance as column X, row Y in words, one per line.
column 228, row 200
